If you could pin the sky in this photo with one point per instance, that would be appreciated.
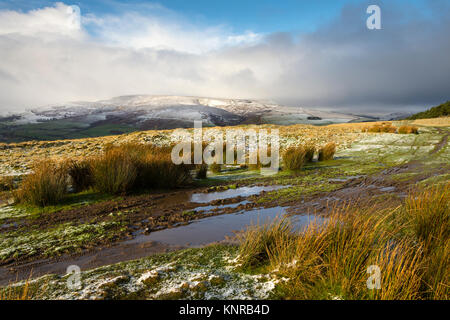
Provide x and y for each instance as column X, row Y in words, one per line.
column 313, row 54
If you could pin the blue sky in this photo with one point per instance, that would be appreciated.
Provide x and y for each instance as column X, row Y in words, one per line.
column 264, row 16
column 315, row 53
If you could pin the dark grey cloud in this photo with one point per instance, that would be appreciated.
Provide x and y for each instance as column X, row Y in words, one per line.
column 404, row 65
column 342, row 65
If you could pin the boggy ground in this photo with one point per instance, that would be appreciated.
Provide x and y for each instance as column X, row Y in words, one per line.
column 91, row 231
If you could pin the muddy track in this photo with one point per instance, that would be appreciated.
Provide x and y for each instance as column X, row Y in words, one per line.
column 141, row 213
column 442, row 143
column 158, row 212
column 153, row 212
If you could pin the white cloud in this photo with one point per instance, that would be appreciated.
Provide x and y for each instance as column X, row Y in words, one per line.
column 134, row 30
column 60, row 20
column 51, row 55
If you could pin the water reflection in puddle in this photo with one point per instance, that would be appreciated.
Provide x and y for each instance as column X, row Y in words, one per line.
column 232, row 193
column 387, row 189
column 207, row 209
column 217, row 228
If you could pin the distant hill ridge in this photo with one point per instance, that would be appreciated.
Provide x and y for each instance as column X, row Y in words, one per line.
column 145, row 112
column 442, row 110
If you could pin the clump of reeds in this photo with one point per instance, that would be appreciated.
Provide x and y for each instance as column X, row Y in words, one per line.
column 310, row 150
column 257, row 241
column 201, row 171
column 114, row 172
column 381, row 128
column 294, row 158
column 156, row 170
column 327, row 152
column 258, row 165
column 215, row 168
column 131, row 167
column 408, row 130
column 427, row 215
column 15, row 293
column 6, row 183
column 46, row 185
column 331, row 259
column 80, row 173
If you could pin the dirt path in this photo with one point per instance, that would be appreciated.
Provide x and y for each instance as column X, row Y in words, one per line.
column 164, row 211
column 160, row 211
column 442, row 143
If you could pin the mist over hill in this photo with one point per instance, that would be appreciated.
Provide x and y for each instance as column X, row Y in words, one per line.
column 146, row 112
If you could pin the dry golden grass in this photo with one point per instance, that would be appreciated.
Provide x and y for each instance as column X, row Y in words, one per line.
column 27, row 153
column 15, row 293
column 201, row 171
column 6, row 183
column 409, row 245
column 215, row 168
column 46, row 185
column 435, row 122
column 408, row 130
column 384, row 127
column 294, row 158
column 427, row 214
column 128, row 167
column 310, row 150
column 80, row 173
column 114, row 172
column 156, row 170
column 327, row 152
column 257, row 242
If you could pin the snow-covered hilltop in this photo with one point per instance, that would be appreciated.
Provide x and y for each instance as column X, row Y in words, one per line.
column 166, row 111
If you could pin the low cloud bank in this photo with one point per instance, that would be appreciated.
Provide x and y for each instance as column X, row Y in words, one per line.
column 57, row 54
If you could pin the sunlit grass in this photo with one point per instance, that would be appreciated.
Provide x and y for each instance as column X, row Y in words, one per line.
column 409, row 245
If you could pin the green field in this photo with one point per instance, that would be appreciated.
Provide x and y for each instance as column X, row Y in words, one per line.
column 59, row 130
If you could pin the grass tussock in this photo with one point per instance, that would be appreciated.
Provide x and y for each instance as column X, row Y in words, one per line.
column 80, row 173
column 338, row 258
column 427, row 215
column 201, row 171
column 215, row 168
column 257, row 242
column 381, row 128
column 259, row 163
column 156, row 170
column 294, row 158
column 46, row 185
column 118, row 170
column 132, row 167
column 408, row 130
column 15, row 293
column 6, row 183
column 310, row 150
column 327, row 152
column 114, row 172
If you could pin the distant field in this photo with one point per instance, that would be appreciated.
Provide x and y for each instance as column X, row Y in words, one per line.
column 17, row 158
column 59, row 130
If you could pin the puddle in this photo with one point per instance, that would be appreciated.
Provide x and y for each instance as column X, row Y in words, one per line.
column 217, row 228
column 207, row 209
column 232, row 193
column 196, row 234
column 387, row 189
column 8, row 225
